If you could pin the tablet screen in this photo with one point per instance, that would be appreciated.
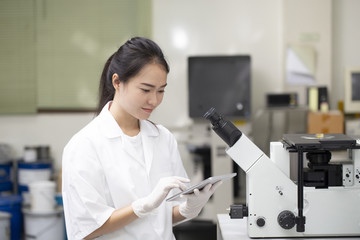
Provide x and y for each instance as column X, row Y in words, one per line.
column 202, row 184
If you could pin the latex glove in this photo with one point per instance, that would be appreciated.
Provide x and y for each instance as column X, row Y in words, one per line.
column 144, row 206
column 197, row 200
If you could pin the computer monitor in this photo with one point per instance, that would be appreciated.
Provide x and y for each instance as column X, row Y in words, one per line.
column 222, row 82
column 352, row 90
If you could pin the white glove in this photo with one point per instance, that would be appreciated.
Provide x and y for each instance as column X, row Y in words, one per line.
column 197, row 200
column 144, row 206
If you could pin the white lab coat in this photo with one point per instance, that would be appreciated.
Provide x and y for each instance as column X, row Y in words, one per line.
column 101, row 174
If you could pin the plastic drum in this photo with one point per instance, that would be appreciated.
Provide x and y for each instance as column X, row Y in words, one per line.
column 5, row 225
column 12, row 204
column 29, row 172
column 44, row 225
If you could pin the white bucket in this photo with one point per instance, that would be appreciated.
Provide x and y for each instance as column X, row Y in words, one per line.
column 42, row 196
column 31, row 172
column 44, row 226
column 5, row 225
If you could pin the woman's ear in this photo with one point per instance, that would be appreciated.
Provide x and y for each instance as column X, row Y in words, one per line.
column 115, row 81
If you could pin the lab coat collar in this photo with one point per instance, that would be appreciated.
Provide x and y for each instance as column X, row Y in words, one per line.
column 108, row 125
column 148, row 128
column 111, row 129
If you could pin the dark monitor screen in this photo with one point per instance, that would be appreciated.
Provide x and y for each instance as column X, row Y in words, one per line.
column 222, row 82
column 355, row 86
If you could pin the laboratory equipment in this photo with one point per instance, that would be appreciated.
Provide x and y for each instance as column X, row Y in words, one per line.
column 352, row 90
column 321, row 200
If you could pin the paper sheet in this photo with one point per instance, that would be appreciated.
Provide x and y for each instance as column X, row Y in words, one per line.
column 300, row 65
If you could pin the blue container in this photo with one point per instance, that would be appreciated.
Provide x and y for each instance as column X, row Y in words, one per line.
column 59, row 201
column 6, row 186
column 12, row 205
column 34, row 165
column 5, row 170
column 5, row 177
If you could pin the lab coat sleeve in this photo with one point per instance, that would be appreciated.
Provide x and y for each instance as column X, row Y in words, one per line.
column 85, row 203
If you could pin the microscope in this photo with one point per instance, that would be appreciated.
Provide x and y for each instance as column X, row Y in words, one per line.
column 322, row 201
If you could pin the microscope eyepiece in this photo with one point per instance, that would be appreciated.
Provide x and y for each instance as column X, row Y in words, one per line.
column 224, row 128
column 215, row 119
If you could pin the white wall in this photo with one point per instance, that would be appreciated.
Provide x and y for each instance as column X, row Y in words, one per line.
column 202, row 27
column 346, row 39
column 308, row 23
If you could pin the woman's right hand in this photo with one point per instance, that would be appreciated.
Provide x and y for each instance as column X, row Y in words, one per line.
column 144, row 206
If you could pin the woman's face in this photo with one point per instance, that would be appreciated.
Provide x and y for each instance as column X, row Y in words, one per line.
column 142, row 93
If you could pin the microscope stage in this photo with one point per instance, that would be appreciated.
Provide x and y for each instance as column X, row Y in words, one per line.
column 319, row 141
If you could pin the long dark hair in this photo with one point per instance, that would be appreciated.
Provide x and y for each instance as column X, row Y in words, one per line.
column 127, row 62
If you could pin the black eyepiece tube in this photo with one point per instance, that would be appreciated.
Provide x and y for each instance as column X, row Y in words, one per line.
column 224, row 128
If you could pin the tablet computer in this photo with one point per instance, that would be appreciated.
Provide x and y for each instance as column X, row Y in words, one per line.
column 202, row 184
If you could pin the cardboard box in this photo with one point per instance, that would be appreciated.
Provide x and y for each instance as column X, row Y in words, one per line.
column 329, row 122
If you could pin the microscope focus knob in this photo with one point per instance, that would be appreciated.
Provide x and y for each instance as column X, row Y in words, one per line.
column 260, row 221
column 286, row 219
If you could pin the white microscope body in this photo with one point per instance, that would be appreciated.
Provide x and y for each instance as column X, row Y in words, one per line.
column 277, row 206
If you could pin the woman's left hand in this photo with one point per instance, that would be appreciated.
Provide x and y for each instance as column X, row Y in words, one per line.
column 197, row 200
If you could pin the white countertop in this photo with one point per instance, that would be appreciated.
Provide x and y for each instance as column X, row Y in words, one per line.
column 231, row 229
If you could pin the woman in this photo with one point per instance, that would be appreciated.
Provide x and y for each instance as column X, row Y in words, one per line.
column 118, row 170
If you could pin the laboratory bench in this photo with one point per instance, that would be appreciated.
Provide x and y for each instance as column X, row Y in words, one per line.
column 236, row 229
